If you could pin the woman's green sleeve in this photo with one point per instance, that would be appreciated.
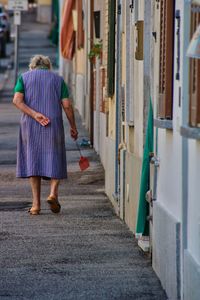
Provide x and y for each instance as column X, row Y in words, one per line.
column 64, row 91
column 19, row 87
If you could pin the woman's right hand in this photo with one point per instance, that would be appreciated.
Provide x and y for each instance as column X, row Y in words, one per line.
column 41, row 119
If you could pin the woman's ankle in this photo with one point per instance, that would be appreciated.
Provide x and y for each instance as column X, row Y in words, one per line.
column 36, row 205
column 54, row 195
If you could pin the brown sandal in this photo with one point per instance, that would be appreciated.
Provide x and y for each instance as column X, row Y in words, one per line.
column 33, row 211
column 54, row 204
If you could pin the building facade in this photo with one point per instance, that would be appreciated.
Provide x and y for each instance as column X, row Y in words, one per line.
column 138, row 95
column 44, row 11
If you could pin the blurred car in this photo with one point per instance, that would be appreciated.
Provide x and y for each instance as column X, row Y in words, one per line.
column 3, row 33
column 1, row 8
column 2, row 43
column 5, row 25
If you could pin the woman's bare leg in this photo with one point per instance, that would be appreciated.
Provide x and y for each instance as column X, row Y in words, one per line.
column 36, row 188
column 54, row 187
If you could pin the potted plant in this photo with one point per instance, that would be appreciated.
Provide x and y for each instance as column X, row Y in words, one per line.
column 96, row 51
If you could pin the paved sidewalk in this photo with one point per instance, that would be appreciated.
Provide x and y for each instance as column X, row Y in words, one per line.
column 6, row 64
column 86, row 252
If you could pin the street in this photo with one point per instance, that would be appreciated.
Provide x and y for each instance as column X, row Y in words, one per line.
column 85, row 252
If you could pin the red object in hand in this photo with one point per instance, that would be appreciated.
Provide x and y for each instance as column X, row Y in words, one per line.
column 84, row 163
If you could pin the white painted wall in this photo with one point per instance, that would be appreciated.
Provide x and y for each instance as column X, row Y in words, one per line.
column 168, row 206
column 110, row 171
column 193, row 158
column 138, row 89
column 133, row 167
column 192, row 253
column 169, row 148
column 194, row 200
column 79, row 96
column 169, row 173
column 44, row 14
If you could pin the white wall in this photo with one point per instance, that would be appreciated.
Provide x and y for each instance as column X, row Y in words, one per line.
column 44, row 14
column 194, row 200
column 138, row 91
column 169, row 151
column 169, row 173
column 80, row 94
column 167, row 211
column 191, row 201
column 110, row 171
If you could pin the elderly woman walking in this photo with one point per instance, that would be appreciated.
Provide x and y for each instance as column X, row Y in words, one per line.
column 41, row 94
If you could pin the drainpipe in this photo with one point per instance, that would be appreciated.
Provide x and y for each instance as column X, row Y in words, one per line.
column 118, row 92
column 91, row 76
column 156, row 162
column 185, row 93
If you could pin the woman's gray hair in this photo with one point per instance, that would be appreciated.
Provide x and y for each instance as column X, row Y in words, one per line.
column 40, row 61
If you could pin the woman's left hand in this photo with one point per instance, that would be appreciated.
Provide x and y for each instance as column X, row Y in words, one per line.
column 74, row 133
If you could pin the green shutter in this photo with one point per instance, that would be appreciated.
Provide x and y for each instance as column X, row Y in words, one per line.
column 55, row 28
column 111, row 48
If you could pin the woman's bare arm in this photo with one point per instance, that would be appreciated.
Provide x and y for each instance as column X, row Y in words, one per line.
column 18, row 101
column 68, row 108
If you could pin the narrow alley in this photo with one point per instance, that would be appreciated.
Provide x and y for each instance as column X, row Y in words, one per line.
column 85, row 252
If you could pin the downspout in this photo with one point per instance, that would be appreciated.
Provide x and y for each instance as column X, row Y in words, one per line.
column 91, row 76
column 116, row 194
column 185, row 93
column 156, row 163
column 154, row 160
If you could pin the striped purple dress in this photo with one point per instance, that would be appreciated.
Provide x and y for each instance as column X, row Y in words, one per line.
column 41, row 150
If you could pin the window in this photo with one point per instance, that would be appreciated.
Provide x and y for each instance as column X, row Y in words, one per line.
column 166, row 59
column 97, row 24
column 194, row 75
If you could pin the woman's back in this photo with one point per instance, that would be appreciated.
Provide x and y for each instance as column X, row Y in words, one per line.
column 43, row 92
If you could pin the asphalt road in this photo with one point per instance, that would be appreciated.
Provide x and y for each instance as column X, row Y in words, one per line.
column 85, row 252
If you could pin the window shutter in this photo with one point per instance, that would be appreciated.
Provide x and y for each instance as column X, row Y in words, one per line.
column 166, row 59
column 194, row 81
column 111, row 48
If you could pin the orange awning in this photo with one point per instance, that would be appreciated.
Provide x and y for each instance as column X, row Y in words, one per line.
column 80, row 32
column 67, row 34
